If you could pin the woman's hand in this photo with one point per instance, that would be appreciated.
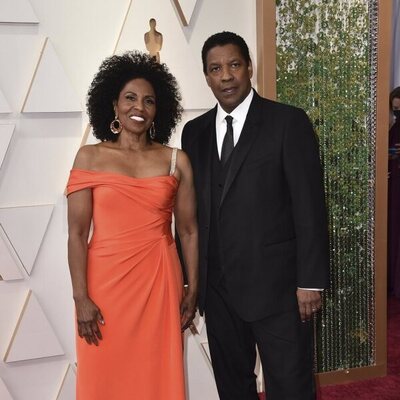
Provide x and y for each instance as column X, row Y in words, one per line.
column 188, row 308
column 88, row 316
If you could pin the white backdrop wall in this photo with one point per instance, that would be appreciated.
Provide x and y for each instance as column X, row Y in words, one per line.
column 43, row 84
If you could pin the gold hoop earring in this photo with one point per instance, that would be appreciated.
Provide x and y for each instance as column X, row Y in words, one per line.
column 116, row 126
column 152, row 131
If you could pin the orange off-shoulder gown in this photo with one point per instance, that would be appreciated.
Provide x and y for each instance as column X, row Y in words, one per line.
column 135, row 278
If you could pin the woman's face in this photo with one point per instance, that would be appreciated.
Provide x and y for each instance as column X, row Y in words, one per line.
column 136, row 106
column 396, row 103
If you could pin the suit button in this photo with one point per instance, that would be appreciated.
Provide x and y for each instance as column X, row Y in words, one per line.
column 206, row 227
column 220, row 185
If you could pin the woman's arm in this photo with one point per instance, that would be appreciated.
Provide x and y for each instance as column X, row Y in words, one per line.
column 79, row 220
column 186, row 226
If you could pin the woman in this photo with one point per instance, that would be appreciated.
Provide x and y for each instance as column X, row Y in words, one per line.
column 127, row 282
column 394, row 196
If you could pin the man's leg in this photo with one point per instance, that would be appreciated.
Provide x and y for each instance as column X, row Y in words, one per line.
column 232, row 348
column 285, row 345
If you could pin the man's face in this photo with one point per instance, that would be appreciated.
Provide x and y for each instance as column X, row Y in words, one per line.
column 228, row 75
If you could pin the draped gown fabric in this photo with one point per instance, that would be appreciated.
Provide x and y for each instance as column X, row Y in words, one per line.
column 135, row 278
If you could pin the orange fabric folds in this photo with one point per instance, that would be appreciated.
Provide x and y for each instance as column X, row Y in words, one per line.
column 135, row 278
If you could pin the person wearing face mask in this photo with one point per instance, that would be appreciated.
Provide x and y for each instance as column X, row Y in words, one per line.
column 394, row 196
column 394, row 104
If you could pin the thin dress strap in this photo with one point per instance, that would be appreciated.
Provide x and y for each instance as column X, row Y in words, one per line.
column 173, row 161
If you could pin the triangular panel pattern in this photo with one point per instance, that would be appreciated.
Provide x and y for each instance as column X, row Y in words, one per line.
column 67, row 389
column 122, row 26
column 33, row 336
column 177, row 52
column 4, row 393
column 25, row 227
column 86, row 135
column 198, row 369
column 185, row 10
column 201, row 339
column 206, row 349
column 4, row 106
column 6, row 132
column 10, row 264
column 50, row 89
column 199, row 324
column 17, row 11
column 18, row 55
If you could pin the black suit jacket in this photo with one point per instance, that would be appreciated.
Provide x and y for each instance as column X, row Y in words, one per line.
column 273, row 229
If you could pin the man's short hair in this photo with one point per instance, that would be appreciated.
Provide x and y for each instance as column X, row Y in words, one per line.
column 222, row 39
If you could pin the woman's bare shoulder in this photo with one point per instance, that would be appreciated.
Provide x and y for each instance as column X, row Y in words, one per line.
column 87, row 155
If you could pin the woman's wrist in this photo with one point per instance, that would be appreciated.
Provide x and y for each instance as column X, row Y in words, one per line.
column 80, row 297
column 190, row 289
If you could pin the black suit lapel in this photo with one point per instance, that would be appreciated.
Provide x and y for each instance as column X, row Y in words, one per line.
column 250, row 131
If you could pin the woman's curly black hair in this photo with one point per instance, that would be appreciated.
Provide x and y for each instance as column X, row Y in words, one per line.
column 114, row 73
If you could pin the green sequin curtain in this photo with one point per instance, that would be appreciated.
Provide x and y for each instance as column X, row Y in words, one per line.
column 326, row 64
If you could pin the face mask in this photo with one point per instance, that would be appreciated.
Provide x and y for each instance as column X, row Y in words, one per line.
column 396, row 113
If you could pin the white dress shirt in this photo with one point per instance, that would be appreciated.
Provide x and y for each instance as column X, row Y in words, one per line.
column 239, row 115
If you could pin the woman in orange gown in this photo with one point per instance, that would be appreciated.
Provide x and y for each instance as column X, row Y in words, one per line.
column 127, row 282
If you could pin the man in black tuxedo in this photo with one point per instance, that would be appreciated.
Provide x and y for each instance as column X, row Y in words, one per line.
column 263, row 248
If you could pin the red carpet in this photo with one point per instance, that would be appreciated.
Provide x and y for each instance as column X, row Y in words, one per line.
column 386, row 388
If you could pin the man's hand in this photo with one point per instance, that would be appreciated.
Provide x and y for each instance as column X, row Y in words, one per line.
column 309, row 303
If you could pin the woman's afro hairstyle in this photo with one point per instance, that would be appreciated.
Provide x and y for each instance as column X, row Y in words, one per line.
column 114, row 73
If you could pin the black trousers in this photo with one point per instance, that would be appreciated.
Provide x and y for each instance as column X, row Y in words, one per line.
column 283, row 341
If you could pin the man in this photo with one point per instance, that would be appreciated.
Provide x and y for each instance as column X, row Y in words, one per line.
column 263, row 253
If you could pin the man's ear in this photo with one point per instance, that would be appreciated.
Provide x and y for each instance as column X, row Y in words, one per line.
column 250, row 69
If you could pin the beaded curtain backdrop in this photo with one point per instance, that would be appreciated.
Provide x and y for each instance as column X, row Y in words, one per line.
column 326, row 64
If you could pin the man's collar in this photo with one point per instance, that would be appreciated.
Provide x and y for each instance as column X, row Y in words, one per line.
column 239, row 113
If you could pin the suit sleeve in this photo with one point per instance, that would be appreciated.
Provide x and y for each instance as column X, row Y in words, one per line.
column 185, row 136
column 304, row 176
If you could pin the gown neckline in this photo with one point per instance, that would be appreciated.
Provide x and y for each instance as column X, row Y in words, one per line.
column 125, row 176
